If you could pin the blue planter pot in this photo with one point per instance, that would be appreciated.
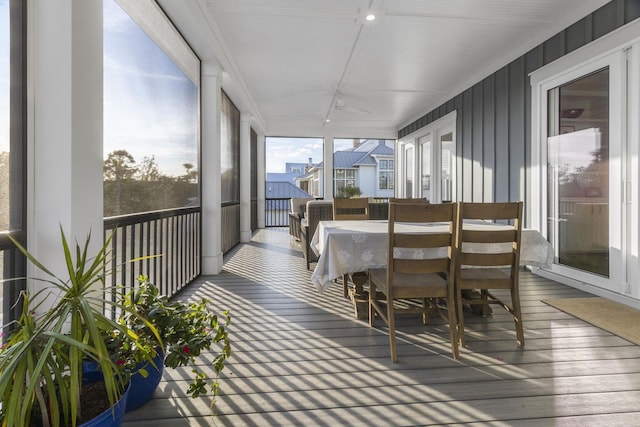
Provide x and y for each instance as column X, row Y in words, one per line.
column 111, row 417
column 142, row 388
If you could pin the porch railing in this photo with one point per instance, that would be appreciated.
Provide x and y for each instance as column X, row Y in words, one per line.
column 276, row 212
column 12, row 266
column 170, row 241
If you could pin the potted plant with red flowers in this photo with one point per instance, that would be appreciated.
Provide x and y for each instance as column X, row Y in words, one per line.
column 176, row 332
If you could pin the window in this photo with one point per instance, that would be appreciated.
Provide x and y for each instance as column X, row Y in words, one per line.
column 4, row 114
column 386, row 181
column 12, row 154
column 230, row 146
column 151, row 111
column 435, row 149
column 344, row 179
column 425, row 166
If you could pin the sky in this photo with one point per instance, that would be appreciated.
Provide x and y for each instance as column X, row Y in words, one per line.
column 4, row 75
column 150, row 105
column 279, row 151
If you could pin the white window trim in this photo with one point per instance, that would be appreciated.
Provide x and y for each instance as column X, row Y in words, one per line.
column 620, row 50
column 446, row 123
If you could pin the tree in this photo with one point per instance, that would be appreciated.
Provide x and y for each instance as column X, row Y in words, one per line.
column 148, row 170
column 191, row 175
column 119, row 166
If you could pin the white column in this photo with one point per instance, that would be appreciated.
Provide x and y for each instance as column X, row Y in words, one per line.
column 245, row 177
column 210, row 170
column 328, row 167
column 65, row 129
column 261, row 178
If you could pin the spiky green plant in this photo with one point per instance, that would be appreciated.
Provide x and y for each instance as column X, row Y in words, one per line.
column 46, row 353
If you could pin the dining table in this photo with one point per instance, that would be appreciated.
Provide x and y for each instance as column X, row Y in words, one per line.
column 351, row 246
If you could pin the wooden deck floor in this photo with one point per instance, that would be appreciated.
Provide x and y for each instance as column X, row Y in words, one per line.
column 300, row 358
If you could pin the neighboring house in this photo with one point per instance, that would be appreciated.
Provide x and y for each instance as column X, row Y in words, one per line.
column 368, row 165
column 297, row 168
column 282, row 177
column 312, row 181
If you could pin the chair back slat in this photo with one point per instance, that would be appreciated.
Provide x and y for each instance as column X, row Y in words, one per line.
column 493, row 236
column 492, row 211
column 421, row 266
column 486, row 260
column 422, row 212
column 412, row 240
column 350, row 209
column 399, row 200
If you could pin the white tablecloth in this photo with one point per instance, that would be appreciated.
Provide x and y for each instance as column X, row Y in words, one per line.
column 351, row 246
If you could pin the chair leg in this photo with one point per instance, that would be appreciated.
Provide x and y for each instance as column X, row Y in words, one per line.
column 345, row 285
column 460, row 315
column 425, row 311
column 372, row 300
column 484, row 296
column 453, row 328
column 391, row 323
column 517, row 315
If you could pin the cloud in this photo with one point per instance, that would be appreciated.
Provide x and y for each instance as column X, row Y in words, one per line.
column 291, row 150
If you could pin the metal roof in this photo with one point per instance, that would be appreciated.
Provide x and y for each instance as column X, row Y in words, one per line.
column 283, row 190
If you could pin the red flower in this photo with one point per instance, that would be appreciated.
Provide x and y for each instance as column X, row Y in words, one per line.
column 186, row 349
column 120, row 362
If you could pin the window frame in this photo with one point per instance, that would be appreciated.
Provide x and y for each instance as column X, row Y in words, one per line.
column 388, row 172
column 14, row 263
column 436, row 129
column 620, row 52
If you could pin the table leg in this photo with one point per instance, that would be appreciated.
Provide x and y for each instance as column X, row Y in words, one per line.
column 360, row 297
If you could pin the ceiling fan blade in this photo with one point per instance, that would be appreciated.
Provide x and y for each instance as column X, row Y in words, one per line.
column 340, row 105
column 353, row 109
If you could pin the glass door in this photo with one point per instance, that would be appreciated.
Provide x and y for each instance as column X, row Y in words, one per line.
column 433, row 163
column 409, row 168
column 447, row 165
column 578, row 172
column 582, row 180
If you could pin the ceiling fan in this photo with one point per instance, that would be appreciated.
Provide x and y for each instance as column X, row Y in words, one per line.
column 340, row 105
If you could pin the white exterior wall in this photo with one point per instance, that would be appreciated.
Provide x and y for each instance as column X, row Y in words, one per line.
column 367, row 180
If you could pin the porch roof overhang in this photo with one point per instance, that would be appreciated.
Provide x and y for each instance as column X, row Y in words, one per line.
column 319, row 68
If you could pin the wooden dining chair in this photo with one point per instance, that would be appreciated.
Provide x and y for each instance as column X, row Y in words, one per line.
column 357, row 208
column 351, row 209
column 409, row 276
column 496, row 266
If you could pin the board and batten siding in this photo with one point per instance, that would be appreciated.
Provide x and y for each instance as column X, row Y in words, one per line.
column 493, row 129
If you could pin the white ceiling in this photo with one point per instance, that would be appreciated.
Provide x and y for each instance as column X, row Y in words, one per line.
column 288, row 62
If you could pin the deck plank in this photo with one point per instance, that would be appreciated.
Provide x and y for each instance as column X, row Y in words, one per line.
column 300, row 358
